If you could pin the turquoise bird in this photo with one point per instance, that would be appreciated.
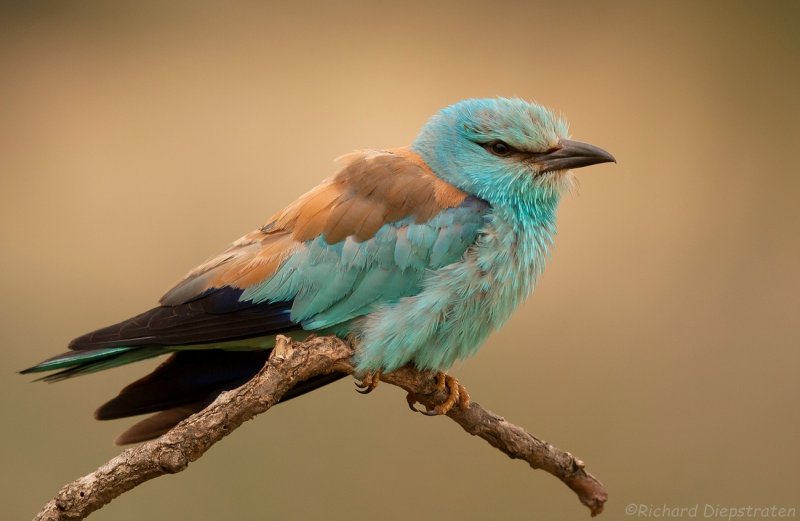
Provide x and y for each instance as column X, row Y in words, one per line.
column 418, row 253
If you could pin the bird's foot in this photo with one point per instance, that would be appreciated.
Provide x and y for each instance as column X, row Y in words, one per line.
column 457, row 394
column 368, row 382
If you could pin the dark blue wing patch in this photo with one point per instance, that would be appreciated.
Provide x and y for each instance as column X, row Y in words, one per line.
column 216, row 316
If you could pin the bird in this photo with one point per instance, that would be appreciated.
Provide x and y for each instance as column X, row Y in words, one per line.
column 415, row 254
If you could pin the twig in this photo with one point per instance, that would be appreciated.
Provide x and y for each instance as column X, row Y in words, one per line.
column 292, row 362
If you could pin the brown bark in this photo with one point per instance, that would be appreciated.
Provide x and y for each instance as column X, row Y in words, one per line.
column 290, row 363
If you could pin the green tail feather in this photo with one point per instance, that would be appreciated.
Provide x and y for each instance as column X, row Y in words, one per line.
column 80, row 362
column 73, row 358
column 76, row 363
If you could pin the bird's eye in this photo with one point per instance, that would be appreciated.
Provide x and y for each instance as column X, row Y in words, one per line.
column 499, row 148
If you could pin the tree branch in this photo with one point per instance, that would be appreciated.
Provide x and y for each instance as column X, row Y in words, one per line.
column 290, row 363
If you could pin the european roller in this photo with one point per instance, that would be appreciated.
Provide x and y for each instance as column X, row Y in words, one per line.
column 415, row 253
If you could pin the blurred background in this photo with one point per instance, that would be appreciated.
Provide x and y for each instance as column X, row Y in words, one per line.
column 661, row 346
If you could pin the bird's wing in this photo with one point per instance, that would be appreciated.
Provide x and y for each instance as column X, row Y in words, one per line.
column 363, row 237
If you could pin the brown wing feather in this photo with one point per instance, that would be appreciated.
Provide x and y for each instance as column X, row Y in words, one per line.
column 372, row 188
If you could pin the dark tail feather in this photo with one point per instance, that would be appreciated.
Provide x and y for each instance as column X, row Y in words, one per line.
column 185, row 377
column 187, row 382
column 157, row 424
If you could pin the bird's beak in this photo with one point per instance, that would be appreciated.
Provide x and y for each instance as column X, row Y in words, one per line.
column 571, row 154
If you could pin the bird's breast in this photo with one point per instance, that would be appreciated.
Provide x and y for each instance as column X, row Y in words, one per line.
column 461, row 303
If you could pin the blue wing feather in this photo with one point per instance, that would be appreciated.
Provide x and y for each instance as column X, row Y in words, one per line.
column 330, row 284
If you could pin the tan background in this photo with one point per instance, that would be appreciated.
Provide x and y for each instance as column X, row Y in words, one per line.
column 661, row 346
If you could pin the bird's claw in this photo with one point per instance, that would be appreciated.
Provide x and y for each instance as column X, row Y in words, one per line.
column 457, row 394
column 369, row 382
column 412, row 399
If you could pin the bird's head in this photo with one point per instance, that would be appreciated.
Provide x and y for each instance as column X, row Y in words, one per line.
column 505, row 151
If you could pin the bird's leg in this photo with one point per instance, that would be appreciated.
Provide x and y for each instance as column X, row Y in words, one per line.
column 457, row 394
column 368, row 382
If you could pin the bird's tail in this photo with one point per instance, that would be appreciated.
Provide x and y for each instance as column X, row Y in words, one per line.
column 186, row 382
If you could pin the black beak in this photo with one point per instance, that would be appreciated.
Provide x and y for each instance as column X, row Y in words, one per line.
column 571, row 154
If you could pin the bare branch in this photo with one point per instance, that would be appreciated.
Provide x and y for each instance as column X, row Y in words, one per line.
column 514, row 441
column 290, row 363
